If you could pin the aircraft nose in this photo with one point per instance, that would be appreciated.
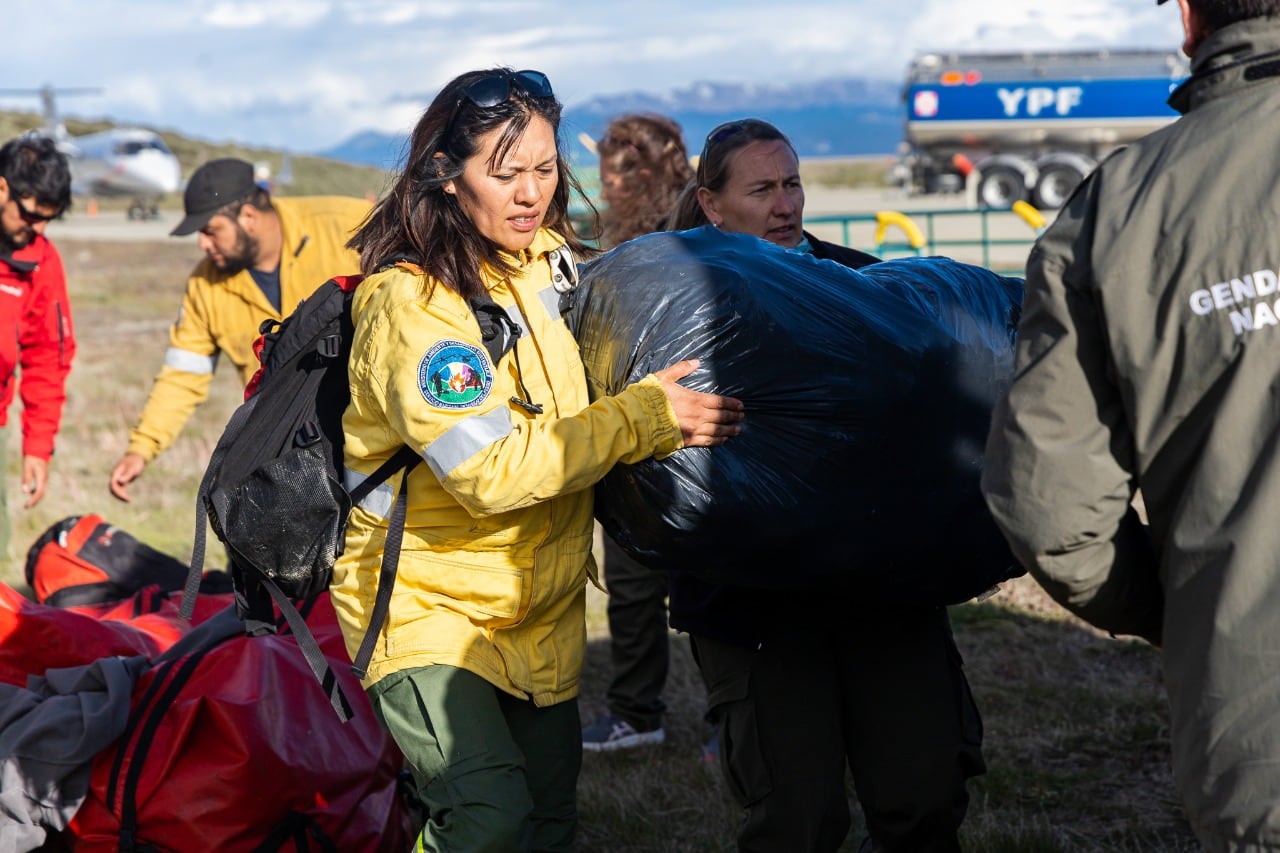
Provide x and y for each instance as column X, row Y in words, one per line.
column 158, row 174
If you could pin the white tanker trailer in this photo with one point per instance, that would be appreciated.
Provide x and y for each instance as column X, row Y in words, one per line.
column 1028, row 126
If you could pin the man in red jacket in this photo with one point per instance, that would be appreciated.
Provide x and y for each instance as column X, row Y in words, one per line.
column 36, row 340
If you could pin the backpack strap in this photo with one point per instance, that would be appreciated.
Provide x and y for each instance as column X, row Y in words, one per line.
column 234, row 427
column 406, row 458
column 310, row 649
column 497, row 330
column 174, row 668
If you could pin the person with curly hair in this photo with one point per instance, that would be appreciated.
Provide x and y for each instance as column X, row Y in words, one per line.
column 643, row 167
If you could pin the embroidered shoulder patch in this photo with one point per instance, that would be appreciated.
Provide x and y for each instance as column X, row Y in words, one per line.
column 454, row 375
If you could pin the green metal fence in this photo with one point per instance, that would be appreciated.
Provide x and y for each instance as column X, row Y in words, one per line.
column 996, row 239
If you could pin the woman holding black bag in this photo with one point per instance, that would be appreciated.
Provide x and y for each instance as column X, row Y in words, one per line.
column 475, row 673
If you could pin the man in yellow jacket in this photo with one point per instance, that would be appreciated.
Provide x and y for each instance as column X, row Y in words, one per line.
column 262, row 257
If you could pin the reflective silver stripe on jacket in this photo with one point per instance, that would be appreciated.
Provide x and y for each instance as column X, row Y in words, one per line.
column 550, row 299
column 380, row 501
column 189, row 362
column 467, row 438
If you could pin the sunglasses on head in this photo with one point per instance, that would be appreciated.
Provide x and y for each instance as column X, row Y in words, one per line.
column 34, row 217
column 494, row 89
column 722, row 132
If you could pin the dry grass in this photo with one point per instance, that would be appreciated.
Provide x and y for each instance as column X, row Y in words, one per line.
column 124, row 296
column 846, row 171
column 1076, row 723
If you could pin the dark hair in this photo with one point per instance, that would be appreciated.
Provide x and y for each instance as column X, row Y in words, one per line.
column 648, row 151
column 418, row 219
column 34, row 167
column 714, row 162
column 258, row 198
column 1216, row 14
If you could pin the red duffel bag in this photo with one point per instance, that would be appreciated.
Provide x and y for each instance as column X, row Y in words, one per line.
column 232, row 746
column 38, row 637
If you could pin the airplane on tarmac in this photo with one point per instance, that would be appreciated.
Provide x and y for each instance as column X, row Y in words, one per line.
column 122, row 162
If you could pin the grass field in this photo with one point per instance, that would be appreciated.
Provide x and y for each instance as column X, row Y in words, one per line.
column 1076, row 724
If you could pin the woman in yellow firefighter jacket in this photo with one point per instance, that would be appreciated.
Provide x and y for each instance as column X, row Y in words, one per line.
column 476, row 671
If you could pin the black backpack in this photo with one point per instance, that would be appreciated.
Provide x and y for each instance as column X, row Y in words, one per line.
column 273, row 491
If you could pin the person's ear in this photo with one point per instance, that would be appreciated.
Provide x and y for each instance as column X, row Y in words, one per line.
column 249, row 218
column 4, row 187
column 710, row 209
column 437, row 161
column 1193, row 28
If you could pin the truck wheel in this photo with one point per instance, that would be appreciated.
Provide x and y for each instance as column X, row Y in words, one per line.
column 1057, row 182
column 1001, row 186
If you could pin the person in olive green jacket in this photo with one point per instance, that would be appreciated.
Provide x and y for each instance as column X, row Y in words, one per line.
column 1148, row 358
column 262, row 257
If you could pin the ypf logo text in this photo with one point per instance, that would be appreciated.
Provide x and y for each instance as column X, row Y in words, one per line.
column 1034, row 100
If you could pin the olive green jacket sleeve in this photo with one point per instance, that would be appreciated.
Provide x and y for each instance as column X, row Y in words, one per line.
column 1057, row 474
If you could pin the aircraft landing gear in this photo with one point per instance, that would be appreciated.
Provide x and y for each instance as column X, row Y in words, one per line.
column 141, row 211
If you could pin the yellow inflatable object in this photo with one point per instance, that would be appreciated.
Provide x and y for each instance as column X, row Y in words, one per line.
column 1029, row 215
column 885, row 219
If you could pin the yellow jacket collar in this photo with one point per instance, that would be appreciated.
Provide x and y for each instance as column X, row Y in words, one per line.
column 544, row 242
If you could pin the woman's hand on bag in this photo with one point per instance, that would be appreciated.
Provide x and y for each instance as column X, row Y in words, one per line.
column 706, row 420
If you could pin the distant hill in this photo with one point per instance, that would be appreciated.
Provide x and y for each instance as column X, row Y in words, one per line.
column 827, row 118
column 311, row 174
column 369, row 148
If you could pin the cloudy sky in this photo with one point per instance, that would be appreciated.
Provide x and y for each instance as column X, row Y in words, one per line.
column 306, row 74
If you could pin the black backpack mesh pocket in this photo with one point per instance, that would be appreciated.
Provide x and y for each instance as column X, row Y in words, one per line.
column 287, row 519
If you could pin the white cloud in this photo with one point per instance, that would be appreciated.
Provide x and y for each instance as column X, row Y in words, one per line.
column 390, row 13
column 293, row 14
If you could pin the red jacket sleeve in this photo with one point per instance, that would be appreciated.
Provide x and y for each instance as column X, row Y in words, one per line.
column 47, row 345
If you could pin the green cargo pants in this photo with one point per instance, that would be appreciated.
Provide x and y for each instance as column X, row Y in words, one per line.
column 496, row 773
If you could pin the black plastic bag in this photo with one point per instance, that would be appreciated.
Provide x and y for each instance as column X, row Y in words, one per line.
column 868, row 396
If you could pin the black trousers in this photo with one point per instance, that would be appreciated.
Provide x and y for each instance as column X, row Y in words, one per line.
column 639, row 645
column 881, row 692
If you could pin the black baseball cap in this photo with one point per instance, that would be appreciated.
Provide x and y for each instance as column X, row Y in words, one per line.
column 212, row 187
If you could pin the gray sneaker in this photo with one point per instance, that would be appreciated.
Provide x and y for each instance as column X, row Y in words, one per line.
column 609, row 733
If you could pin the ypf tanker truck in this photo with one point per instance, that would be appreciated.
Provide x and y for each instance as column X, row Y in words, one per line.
column 1028, row 126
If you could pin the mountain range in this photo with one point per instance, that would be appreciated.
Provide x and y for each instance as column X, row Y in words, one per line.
column 836, row 117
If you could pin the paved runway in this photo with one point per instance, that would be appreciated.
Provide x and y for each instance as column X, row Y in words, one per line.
column 114, row 226
column 819, row 201
column 960, row 236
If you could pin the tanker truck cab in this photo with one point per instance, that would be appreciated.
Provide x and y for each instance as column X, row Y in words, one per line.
column 1027, row 126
